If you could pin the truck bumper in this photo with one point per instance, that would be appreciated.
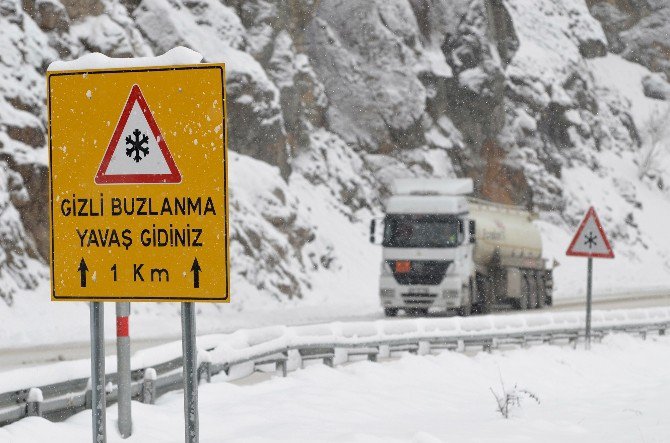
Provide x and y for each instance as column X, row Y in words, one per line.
column 447, row 295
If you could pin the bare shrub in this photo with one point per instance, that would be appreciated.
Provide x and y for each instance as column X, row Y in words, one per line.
column 655, row 139
column 508, row 399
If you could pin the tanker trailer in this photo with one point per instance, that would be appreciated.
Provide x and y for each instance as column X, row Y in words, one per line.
column 508, row 259
column 443, row 251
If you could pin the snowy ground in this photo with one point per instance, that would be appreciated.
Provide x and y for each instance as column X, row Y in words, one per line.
column 599, row 395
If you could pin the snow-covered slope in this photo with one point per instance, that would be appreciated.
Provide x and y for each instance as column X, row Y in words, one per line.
column 331, row 100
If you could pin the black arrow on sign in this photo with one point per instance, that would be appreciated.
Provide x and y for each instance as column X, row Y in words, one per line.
column 195, row 268
column 82, row 269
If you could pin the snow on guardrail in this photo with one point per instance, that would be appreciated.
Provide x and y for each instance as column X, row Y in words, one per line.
column 244, row 343
column 241, row 344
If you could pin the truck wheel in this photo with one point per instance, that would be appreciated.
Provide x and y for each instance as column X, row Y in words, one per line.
column 390, row 312
column 465, row 311
column 480, row 291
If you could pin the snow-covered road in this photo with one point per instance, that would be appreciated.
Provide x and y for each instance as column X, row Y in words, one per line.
column 616, row 393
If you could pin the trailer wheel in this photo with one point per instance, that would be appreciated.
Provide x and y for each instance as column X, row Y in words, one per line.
column 533, row 290
column 521, row 303
column 541, row 292
column 390, row 312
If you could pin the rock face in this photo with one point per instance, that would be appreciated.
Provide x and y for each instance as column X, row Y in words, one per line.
column 339, row 97
column 637, row 29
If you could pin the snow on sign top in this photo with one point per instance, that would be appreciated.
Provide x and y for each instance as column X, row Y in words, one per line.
column 590, row 240
column 175, row 56
column 137, row 152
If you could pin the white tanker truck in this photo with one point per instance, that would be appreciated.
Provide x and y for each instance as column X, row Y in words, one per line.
column 445, row 251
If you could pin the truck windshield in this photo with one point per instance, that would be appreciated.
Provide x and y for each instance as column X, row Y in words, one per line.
column 421, row 231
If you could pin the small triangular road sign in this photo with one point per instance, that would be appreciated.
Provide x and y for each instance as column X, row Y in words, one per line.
column 590, row 239
column 137, row 152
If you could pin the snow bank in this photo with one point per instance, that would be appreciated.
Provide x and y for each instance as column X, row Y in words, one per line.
column 175, row 56
column 617, row 392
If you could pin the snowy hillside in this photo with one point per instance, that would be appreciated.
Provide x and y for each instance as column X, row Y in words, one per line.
column 330, row 100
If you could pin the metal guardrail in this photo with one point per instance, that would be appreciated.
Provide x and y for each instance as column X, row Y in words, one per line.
column 59, row 401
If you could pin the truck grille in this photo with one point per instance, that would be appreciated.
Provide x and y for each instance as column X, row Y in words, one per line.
column 419, row 272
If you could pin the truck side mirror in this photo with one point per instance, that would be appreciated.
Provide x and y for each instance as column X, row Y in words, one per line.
column 471, row 231
column 377, row 231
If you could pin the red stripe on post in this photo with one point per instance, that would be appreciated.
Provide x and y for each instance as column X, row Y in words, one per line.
column 122, row 326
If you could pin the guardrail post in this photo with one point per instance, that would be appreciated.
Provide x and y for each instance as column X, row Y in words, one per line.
column 149, row 386
column 460, row 347
column 205, row 371
column 34, row 403
column 661, row 331
column 88, row 397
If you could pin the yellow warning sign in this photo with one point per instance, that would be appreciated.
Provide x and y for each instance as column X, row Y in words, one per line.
column 138, row 164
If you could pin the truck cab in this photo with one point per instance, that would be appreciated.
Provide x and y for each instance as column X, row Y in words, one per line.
column 427, row 238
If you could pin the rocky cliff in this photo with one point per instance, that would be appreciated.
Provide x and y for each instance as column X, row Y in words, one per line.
column 332, row 99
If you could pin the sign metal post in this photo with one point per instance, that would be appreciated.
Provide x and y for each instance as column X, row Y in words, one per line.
column 190, row 368
column 591, row 242
column 589, row 297
column 98, row 394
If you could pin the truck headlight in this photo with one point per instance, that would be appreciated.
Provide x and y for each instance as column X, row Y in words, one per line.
column 450, row 293
column 387, row 293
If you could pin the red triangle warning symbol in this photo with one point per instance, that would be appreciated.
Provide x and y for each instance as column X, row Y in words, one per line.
column 137, row 152
column 590, row 239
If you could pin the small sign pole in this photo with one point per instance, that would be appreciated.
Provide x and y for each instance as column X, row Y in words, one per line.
column 589, row 285
column 123, row 368
column 190, row 372
column 590, row 242
column 98, row 394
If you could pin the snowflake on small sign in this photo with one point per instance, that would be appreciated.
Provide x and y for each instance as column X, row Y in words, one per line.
column 137, row 151
column 591, row 240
